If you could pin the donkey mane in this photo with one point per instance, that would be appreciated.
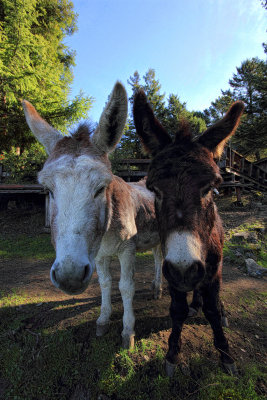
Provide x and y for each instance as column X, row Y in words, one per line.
column 182, row 154
column 78, row 143
column 184, row 131
column 84, row 129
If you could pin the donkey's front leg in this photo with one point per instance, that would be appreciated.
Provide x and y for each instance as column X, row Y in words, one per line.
column 196, row 303
column 212, row 310
column 178, row 312
column 104, row 277
column 126, row 285
column 157, row 282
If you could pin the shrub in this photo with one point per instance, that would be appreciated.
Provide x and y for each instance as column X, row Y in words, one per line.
column 23, row 168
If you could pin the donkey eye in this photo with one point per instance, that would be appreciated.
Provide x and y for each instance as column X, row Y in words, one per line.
column 206, row 190
column 99, row 191
column 157, row 192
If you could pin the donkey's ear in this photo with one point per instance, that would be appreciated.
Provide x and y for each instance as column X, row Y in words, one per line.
column 215, row 137
column 112, row 120
column 44, row 133
column 154, row 137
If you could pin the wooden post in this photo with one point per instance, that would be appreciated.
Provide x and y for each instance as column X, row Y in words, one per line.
column 238, row 194
column 250, row 170
column 47, row 214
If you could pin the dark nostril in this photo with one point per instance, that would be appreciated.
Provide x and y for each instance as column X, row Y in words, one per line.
column 195, row 273
column 86, row 272
column 200, row 270
column 171, row 273
column 54, row 275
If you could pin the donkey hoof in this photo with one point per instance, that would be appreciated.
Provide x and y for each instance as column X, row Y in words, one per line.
column 192, row 312
column 169, row 368
column 230, row 368
column 128, row 341
column 225, row 322
column 101, row 330
column 157, row 294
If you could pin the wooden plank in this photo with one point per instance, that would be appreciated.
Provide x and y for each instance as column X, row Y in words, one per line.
column 47, row 209
column 236, row 184
column 16, row 186
column 242, row 165
column 134, row 161
column 21, row 188
column 131, row 173
column 18, row 192
column 247, row 178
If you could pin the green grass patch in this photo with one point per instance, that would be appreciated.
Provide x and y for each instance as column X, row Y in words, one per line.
column 144, row 257
column 247, row 227
column 262, row 258
column 50, row 364
column 24, row 246
column 259, row 249
column 220, row 386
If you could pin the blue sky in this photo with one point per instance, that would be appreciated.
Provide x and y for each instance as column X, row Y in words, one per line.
column 193, row 45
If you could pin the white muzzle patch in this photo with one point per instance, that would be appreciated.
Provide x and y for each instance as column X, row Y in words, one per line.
column 182, row 249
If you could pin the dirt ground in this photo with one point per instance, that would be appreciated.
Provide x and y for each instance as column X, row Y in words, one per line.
column 242, row 296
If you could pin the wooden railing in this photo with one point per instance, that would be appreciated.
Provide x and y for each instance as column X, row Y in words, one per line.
column 16, row 189
column 238, row 171
column 132, row 169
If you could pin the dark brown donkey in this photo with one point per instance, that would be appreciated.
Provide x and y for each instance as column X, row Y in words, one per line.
column 183, row 174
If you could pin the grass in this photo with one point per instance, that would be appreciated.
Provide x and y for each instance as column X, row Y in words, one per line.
column 258, row 249
column 45, row 361
column 37, row 365
column 41, row 361
column 24, row 246
column 40, row 247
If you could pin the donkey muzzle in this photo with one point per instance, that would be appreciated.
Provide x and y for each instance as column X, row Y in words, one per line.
column 70, row 277
column 184, row 279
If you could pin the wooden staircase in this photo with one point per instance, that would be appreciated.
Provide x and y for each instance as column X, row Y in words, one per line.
column 237, row 171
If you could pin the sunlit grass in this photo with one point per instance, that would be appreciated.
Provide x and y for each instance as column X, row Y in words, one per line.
column 24, row 246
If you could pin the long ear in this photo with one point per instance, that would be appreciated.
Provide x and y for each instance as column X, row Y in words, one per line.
column 112, row 120
column 148, row 128
column 44, row 133
column 215, row 137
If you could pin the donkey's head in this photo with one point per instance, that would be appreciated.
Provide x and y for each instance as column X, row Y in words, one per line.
column 183, row 174
column 77, row 174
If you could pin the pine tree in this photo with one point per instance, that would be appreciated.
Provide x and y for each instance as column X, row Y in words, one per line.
column 176, row 113
column 250, row 85
column 130, row 145
column 170, row 115
column 152, row 89
column 219, row 107
column 36, row 65
column 134, row 82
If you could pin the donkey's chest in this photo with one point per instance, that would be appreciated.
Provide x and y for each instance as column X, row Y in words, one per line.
column 137, row 233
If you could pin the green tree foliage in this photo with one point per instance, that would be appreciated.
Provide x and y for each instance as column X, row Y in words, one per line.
column 170, row 114
column 152, row 89
column 176, row 113
column 249, row 84
column 130, row 146
column 36, row 65
column 219, row 107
